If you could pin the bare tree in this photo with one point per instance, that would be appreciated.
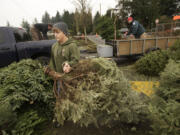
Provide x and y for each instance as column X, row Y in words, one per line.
column 83, row 6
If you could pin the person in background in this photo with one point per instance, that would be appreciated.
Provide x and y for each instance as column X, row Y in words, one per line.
column 136, row 29
column 39, row 31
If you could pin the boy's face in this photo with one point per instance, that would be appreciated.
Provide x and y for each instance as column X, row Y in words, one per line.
column 59, row 35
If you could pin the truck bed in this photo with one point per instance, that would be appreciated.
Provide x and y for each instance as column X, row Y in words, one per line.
column 141, row 46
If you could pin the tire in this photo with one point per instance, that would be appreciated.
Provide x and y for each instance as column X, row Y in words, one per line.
column 44, row 60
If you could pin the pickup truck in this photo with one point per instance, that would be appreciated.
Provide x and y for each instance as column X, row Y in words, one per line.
column 15, row 45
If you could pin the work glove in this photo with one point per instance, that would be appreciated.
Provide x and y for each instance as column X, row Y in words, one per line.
column 52, row 73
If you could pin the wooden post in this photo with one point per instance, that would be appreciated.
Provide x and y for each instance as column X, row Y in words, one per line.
column 115, row 28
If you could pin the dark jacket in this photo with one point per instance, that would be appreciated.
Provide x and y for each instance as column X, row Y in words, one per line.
column 42, row 27
column 60, row 53
column 136, row 29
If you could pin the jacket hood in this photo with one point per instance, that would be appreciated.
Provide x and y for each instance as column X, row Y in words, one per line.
column 69, row 41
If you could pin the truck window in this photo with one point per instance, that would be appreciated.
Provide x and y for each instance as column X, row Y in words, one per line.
column 2, row 37
column 21, row 35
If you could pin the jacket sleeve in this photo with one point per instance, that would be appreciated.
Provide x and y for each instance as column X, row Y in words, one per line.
column 52, row 63
column 74, row 54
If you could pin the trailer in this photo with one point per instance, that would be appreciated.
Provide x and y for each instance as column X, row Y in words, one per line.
column 141, row 46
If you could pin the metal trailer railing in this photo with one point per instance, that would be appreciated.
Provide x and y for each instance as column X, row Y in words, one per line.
column 141, row 46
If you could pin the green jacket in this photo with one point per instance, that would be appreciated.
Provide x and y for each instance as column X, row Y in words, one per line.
column 136, row 29
column 60, row 53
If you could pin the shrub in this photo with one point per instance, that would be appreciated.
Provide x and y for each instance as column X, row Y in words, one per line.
column 152, row 63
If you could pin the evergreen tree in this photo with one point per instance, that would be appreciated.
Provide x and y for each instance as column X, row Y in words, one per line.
column 168, row 7
column 105, row 27
column 46, row 18
column 58, row 17
column 89, row 21
column 95, row 21
column 124, row 10
column 73, row 24
column 53, row 19
column 68, row 19
column 25, row 25
column 145, row 12
column 108, row 13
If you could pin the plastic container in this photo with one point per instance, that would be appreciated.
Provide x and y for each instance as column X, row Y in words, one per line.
column 105, row 51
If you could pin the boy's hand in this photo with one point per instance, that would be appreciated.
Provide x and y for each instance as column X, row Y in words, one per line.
column 66, row 68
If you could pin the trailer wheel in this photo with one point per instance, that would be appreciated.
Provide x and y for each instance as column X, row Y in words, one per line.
column 44, row 60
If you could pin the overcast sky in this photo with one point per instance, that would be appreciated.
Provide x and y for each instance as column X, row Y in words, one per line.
column 15, row 11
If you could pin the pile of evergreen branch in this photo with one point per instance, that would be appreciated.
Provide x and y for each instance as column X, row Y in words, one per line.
column 165, row 105
column 26, row 98
column 96, row 92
